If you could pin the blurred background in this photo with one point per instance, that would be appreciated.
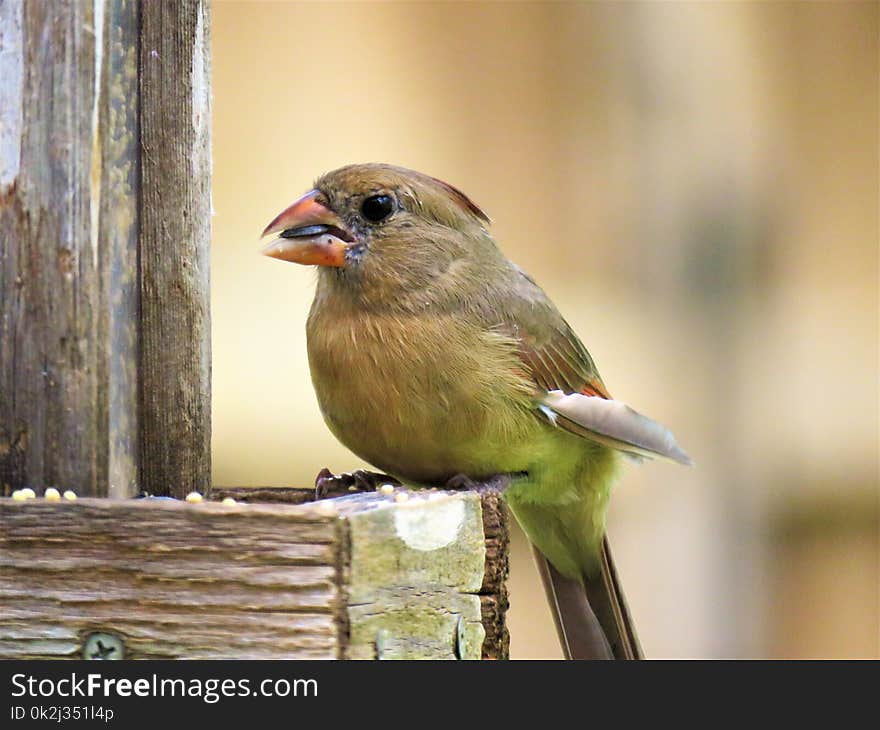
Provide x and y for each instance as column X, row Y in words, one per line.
column 696, row 187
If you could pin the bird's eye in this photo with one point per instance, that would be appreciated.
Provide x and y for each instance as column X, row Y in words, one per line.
column 377, row 207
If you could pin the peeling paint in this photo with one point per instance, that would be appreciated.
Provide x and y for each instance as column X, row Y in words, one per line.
column 429, row 528
column 11, row 90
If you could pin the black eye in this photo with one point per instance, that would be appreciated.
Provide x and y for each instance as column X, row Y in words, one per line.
column 377, row 207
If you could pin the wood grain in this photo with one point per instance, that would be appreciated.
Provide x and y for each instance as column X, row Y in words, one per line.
column 175, row 234
column 493, row 592
column 272, row 495
column 413, row 575
column 494, row 600
column 175, row 580
column 366, row 576
column 68, row 296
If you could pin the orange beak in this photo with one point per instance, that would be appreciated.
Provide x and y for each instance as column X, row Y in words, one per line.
column 310, row 234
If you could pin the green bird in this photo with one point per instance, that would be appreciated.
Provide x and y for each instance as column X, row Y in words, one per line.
column 436, row 359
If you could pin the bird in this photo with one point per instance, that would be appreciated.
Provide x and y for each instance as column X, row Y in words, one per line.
column 438, row 360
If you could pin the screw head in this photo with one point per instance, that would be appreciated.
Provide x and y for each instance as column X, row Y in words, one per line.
column 103, row 646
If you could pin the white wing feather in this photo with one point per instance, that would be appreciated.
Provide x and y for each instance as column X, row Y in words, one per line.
column 614, row 424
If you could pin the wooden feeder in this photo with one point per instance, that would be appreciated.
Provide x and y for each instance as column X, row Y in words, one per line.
column 105, row 390
column 360, row 577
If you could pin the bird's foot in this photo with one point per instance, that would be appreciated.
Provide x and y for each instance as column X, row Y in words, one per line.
column 461, row 481
column 328, row 484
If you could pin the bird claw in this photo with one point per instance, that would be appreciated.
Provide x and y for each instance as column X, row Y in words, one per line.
column 461, row 481
column 328, row 484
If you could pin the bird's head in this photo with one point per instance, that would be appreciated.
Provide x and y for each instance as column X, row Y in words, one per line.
column 381, row 230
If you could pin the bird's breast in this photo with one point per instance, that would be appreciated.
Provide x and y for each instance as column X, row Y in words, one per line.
column 421, row 397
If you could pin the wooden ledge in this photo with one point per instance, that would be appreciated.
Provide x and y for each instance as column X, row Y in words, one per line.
column 363, row 576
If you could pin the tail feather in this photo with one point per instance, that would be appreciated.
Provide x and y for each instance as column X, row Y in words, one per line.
column 609, row 604
column 580, row 633
column 592, row 618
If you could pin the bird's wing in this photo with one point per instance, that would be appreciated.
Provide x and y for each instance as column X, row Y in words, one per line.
column 612, row 423
column 572, row 395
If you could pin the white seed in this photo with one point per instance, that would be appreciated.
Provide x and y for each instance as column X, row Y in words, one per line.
column 69, row 495
column 387, row 489
column 52, row 494
column 228, row 500
column 18, row 495
column 194, row 497
column 28, row 493
column 401, row 497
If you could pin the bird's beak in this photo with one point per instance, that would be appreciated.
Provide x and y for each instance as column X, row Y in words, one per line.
column 310, row 234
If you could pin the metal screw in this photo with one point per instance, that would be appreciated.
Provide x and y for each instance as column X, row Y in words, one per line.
column 458, row 637
column 103, row 646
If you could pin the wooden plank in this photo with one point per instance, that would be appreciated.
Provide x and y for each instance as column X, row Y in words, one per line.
column 493, row 594
column 174, row 580
column 432, row 542
column 273, row 495
column 118, row 247
column 365, row 576
column 175, row 239
column 68, row 164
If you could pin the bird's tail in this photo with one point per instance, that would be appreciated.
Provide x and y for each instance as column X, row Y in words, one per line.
column 592, row 618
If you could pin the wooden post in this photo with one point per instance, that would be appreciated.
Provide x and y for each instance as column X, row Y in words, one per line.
column 360, row 577
column 175, row 384
column 104, row 229
column 105, row 389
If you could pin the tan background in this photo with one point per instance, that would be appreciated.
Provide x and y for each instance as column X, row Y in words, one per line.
column 696, row 187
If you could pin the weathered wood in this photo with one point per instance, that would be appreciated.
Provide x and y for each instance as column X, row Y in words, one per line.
column 173, row 580
column 118, row 245
column 104, row 232
column 68, row 296
column 494, row 598
column 357, row 577
column 493, row 593
column 273, row 495
column 413, row 576
column 175, row 239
